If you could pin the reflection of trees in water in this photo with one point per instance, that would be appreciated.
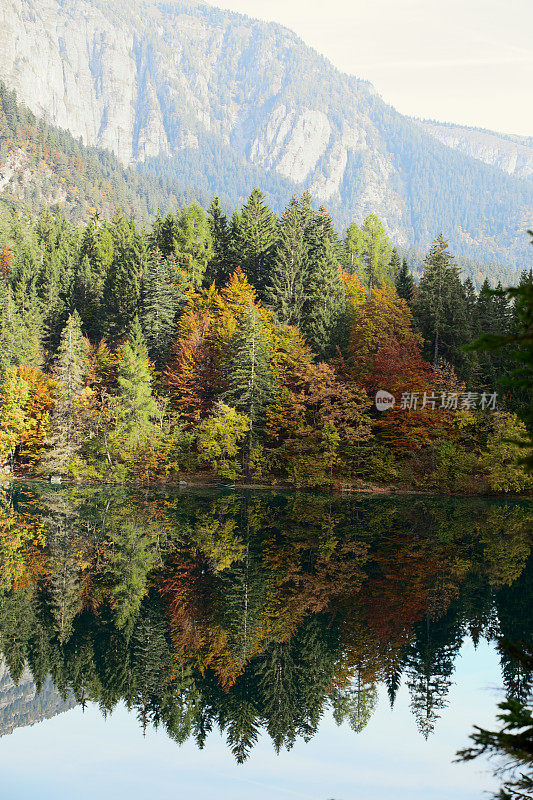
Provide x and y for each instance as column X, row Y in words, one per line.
column 253, row 613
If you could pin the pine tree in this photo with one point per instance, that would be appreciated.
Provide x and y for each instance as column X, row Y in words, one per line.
column 377, row 252
column 404, row 282
column 65, row 422
column 440, row 309
column 395, row 264
column 123, row 283
column 137, row 407
column 161, row 300
column 220, row 265
column 249, row 373
column 254, row 232
column 324, row 288
column 89, row 280
column 286, row 292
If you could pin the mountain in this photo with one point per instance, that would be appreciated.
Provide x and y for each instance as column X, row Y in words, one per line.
column 21, row 704
column 217, row 102
column 44, row 165
column 512, row 154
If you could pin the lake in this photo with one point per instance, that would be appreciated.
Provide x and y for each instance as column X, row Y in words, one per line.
column 222, row 644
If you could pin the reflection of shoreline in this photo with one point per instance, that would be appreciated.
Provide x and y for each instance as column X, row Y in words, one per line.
column 192, row 483
column 21, row 705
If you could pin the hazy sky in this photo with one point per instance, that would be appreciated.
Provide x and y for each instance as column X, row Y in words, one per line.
column 466, row 61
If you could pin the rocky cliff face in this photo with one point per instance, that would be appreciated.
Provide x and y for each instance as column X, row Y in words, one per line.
column 194, row 90
column 21, row 704
column 512, row 154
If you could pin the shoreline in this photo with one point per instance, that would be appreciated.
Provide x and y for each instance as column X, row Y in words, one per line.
column 340, row 488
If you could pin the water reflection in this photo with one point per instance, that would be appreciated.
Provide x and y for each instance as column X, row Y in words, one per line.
column 257, row 612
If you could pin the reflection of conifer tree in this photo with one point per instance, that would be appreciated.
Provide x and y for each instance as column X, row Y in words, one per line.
column 151, row 662
column 277, row 674
column 65, row 549
column 430, row 664
column 131, row 559
column 17, row 619
column 515, row 612
column 394, row 681
column 355, row 704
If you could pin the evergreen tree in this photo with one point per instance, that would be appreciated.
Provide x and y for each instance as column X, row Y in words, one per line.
column 404, row 282
column 20, row 336
column 377, row 252
column 440, row 309
column 161, row 299
column 123, row 283
column 194, row 244
column 286, row 292
column 254, row 232
column 324, row 288
column 395, row 264
column 250, row 379
column 70, row 371
column 137, row 406
column 220, row 265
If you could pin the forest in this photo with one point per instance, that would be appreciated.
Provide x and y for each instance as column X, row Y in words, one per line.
column 251, row 349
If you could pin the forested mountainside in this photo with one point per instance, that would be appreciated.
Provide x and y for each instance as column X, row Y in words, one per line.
column 22, row 704
column 512, row 154
column 41, row 165
column 220, row 102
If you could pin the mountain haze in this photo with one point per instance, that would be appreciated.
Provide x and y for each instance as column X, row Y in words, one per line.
column 217, row 102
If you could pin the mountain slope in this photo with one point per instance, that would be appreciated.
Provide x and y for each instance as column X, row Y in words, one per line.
column 512, row 154
column 42, row 165
column 21, row 704
column 218, row 101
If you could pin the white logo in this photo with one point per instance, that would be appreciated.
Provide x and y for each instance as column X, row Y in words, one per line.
column 384, row 400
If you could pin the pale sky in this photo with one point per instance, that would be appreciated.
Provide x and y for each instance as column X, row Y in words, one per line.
column 463, row 61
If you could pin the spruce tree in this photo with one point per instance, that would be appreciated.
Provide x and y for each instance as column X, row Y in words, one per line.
column 65, row 423
column 254, row 238
column 286, row 292
column 440, row 309
column 220, row 265
column 250, row 379
column 123, row 283
column 161, row 300
column 395, row 264
column 137, row 407
column 324, row 289
column 404, row 282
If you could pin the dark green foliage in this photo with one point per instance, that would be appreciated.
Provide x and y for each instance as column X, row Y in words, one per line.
column 404, row 282
column 250, row 378
column 324, row 291
column 254, row 235
column 161, row 303
column 221, row 264
column 122, row 289
column 286, row 290
column 441, row 311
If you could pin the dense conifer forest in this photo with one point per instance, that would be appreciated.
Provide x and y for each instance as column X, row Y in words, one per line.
column 251, row 348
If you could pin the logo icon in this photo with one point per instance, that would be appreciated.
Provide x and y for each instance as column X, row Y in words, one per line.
column 384, row 400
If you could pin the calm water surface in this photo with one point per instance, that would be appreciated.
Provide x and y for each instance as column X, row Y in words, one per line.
column 231, row 645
